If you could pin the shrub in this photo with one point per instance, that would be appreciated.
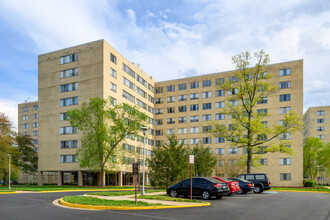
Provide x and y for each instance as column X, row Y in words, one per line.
column 309, row 183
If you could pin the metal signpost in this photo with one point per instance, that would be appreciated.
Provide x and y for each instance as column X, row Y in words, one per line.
column 191, row 161
column 135, row 173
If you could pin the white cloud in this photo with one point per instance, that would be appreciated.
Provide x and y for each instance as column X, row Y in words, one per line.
column 9, row 108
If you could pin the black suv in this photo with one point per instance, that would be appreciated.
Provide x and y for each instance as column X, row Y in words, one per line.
column 205, row 187
column 260, row 180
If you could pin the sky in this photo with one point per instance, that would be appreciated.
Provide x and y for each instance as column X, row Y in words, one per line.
column 169, row 39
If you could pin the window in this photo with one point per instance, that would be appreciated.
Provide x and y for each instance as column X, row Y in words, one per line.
column 233, row 102
column 219, row 140
column 206, row 129
column 233, row 79
column 194, row 130
column 320, row 128
column 182, row 119
column 128, row 70
column 320, row 120
column 232, row 162
column 35, row 107
column 284, row 110
column 69, row 144
column 69, row 87
column 171, row 88
column 194, row 107
column 159, row 101
column 321, row 136
column 25, row 133
column 285, row 176
column 220, row 163
column 35, row 124
column 35, row 133
column 170, row 131
column 69, row 130
column 158, row 111
column 194, row 118
column 151, row 99
column 183, row 141
column 128, row 83
column 69, row 58
column 69, row 73
column 141, row 104
column 128, row 96
column 151, row 109
column 170, row 121
column 113, row 87
column 158, row 132
column 207, row 140
column 233, row 150
column 69, row 159
column 63, row 116
column 69, row 101
column 262, row 111
column 206, row 83
column 285, row 136
column 219, row 93
column 285, row 72
column 113, row 73
column 207, row 95
column 220, row 81
column 25, row 117
column 129, row 160
column 219, row 104
column 194, row 85
column 141, row 80
column 285, row 85
column 182, row 131
column 182, row 86
column 35, row 141
column 25, row 126
column 141, row 92
column 151, row 88
column 194, row 140
column 113, row 101
column 285, row 161
column 170, row 110
column 170, row 99
column 182, row 108
column 320, row 112
column 219, row 116
column 207, row 106
column 182, row 98
column 159, row 90
column 207, row 117
column 220, row 151
column 35, row 116
column 285, row 97
column 194, row 96
column 158, row 121
column 113, row 58
column 129, row 147
column 232, row 91
column 25, row 109
column 262, row 150
column 263, row 162
column 263, row 100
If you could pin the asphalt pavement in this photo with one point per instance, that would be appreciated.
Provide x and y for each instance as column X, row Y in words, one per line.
column 269, row 205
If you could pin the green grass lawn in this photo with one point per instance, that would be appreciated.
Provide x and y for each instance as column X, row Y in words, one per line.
column 122, row 193
column 312, row 189
column 56, row 188
column 167, row 198
column 85, row 200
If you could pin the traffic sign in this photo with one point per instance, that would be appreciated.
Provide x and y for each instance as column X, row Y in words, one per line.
column 191, row 159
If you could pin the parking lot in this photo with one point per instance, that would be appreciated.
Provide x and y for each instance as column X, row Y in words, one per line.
column 268, row 205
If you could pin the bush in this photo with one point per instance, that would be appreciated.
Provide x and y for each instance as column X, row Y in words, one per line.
column 309, row 183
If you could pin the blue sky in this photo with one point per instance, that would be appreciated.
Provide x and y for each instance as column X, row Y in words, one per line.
column 169, row 39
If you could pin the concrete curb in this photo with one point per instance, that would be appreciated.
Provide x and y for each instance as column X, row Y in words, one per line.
column 298, row 191
column 62, row 202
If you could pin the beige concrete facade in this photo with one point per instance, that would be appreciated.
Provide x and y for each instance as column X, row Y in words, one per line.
column 317, row 124
column 95, row 76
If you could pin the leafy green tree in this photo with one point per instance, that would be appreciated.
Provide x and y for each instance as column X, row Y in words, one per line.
column 170, row 163
column 250, row 87
column 204, row 160
column 316, row 154
column 25, row 157
column 104, row 127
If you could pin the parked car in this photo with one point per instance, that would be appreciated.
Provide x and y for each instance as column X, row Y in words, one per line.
column 245, row 186
column 260, row 180
column 233, row 185
column 201, row 186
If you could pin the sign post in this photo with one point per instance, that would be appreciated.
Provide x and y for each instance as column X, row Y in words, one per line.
column 135, row 173
column 191, row 161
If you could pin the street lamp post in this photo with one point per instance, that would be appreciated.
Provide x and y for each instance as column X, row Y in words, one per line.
column 144, row 130
column 9, row 155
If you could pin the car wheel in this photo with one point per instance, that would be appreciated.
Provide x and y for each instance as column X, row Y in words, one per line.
column 206, row 195
column 240, row 191
column 173, row 193
column 258, row 189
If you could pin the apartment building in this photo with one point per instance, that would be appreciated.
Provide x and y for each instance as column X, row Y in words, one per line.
column 317, row 124
column 71, row 76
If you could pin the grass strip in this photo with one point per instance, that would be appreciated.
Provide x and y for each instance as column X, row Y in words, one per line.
column 167, row 198
column 123, row 193
column 321, row 189
column 85, row 200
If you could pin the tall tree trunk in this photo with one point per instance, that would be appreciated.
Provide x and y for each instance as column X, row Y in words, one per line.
column 249, row 160
column 102, row 179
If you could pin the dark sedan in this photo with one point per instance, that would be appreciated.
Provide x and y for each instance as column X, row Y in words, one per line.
column 205, row 187
column 245, row 186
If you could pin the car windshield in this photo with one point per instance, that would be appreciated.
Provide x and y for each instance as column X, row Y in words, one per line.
column 225, row 179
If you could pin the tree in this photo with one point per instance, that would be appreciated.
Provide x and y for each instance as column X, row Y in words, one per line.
column 204, row 160
column 25, row 157
column 229, row 167
column 104, row 127
column 249, row 129
column 170, row 163
column 316, row 154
